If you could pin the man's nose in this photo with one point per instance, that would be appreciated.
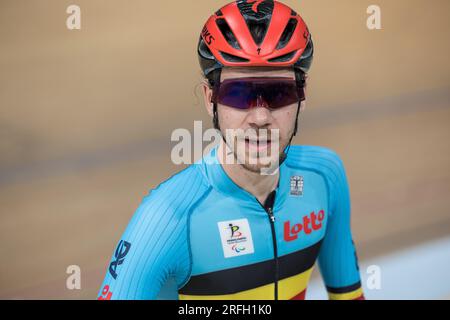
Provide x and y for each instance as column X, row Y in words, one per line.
column 259, row 116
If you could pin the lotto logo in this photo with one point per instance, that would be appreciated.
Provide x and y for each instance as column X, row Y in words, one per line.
column 309, row 224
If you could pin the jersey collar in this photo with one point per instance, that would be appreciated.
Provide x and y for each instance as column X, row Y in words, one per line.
column 221, row 182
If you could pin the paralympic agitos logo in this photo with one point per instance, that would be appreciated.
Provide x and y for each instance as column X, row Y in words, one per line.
column 309, row 224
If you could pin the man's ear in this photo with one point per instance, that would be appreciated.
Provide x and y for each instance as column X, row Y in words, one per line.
column 207, row 96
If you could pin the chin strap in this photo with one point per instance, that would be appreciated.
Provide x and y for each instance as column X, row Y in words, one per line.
column 284, row 154
column 215, row 117
column 216, row 122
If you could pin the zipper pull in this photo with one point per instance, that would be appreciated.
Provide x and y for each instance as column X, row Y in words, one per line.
column 272, row 217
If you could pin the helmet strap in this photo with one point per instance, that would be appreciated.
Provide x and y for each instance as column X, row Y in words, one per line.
column 284, row 154
column 214, row 81
column 215, row 117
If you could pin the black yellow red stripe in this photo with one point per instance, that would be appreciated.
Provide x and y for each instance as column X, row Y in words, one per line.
column 292, row 288
column 300, row 296
column 255, row 281
column 352, row 292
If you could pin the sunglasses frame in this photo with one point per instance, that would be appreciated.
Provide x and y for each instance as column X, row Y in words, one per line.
column 300, row 79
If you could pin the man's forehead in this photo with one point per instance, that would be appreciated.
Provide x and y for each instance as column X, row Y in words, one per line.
column 236, row 72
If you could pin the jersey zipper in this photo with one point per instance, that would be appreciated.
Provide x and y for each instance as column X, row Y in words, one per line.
column 275, row 248
column 269, row 212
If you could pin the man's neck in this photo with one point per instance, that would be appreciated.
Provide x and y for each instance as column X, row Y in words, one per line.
column 254, row 182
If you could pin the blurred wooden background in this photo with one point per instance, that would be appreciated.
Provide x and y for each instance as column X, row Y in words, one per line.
column 86, row 118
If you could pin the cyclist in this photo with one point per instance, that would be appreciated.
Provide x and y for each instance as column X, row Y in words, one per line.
column 220, row 230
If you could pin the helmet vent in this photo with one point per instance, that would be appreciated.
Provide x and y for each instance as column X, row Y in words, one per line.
column 287, row 34
column 232, row 58
column 227, row 33
column 284, row 58
column 305, row 61
column 308, row 50
column 204, row 51
column 258, row 29
column 257, row 15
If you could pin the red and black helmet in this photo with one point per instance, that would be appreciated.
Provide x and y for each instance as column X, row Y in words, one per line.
column 255, row 33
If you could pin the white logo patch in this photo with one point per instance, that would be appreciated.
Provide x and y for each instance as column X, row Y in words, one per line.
column 296, row 186
column 236, row 238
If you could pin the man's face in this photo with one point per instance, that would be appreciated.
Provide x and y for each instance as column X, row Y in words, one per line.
column 260, row 134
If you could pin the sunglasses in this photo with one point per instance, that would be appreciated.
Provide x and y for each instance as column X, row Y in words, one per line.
column 246, row 93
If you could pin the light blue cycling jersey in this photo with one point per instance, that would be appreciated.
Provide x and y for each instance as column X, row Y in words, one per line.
column 198, row 235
